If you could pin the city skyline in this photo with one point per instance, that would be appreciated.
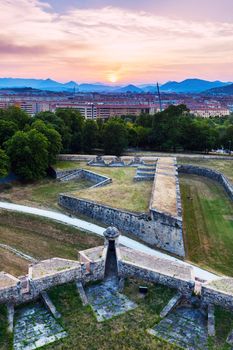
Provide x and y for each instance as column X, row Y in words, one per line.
column 117, row 42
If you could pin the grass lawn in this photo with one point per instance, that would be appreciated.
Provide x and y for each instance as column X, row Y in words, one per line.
column 208, row 223
column 224, row 166
column 39, row 238
column 41, row 193
column 123, row 193
column 125, row 332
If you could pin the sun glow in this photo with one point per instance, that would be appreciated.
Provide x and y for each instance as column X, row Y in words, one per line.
column 112, row 77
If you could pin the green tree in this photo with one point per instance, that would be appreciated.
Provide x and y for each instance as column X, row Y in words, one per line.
column 53, row 138
column 17, row 116
column 115, row 137
column 72, row 136
column 227, row 138
column 4, row 163
column 7, row 130
column 90, row 135
column 28, row 153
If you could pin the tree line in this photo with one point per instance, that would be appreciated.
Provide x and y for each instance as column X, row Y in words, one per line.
column 29, row 145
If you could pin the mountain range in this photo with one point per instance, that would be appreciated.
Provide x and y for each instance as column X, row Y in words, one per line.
column 224, row 90
column 186, row 86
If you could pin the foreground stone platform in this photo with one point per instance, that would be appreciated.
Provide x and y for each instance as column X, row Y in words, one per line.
column 185, row 327
column 35, row 327
column 106, row 301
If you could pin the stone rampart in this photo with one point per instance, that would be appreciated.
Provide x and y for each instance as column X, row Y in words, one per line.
column 162, row 231
column 130, row 269
column 211, row 296
column 97, row 179
column 218, row 292
column 154, row 269
column 29, row 287
column 130, row 263
column 210, row 173
column 63, row 173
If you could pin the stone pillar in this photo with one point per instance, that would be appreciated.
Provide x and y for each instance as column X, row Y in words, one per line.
column 111, row 235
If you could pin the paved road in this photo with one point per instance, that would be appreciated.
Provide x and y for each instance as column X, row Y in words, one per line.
column 96, row 229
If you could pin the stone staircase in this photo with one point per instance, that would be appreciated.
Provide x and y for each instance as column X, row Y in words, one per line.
column 145, row 173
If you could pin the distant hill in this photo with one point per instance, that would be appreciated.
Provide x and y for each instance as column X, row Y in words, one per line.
column 224, row 90
column 52, row 85
column 149, row 88
column 96, row 88
column 186, row 86
column 191, row 86
column 129, row 88
column 41, row 84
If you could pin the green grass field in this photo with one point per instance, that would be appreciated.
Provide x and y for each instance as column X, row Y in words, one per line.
column 128, row 331
column 39, row 238
column 208, row 223
column 125, row 332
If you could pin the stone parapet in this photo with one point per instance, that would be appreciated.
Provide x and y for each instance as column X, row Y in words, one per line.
column 218, row 292
column 150, row 268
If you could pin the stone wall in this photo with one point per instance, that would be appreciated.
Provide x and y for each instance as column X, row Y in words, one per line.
column 63, row 173
column 161, row 231
column 9, row 294
column 215, row 297
column 129, row 269
column 17, row 293
column 40, row 284
column 210, row 173
column 130, row 263
column 219, row 292
column 97, row 179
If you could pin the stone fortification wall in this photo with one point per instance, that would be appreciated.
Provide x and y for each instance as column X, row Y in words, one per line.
column 130, row 263
column 97, row 179
column 9, row 294
column 219, row 292
column 29, row 287
column 154, row 269
column 63, row 173
column 211, row 296
column 160, row 228
column 129, row 269
column 210, row 173
column 162, row 231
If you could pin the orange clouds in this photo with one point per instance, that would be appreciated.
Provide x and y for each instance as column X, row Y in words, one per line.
column 90, row 44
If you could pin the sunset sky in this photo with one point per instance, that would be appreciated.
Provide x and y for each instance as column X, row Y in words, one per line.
column 118, row 41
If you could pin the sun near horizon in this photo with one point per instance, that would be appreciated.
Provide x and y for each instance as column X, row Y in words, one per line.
column 112, row 77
